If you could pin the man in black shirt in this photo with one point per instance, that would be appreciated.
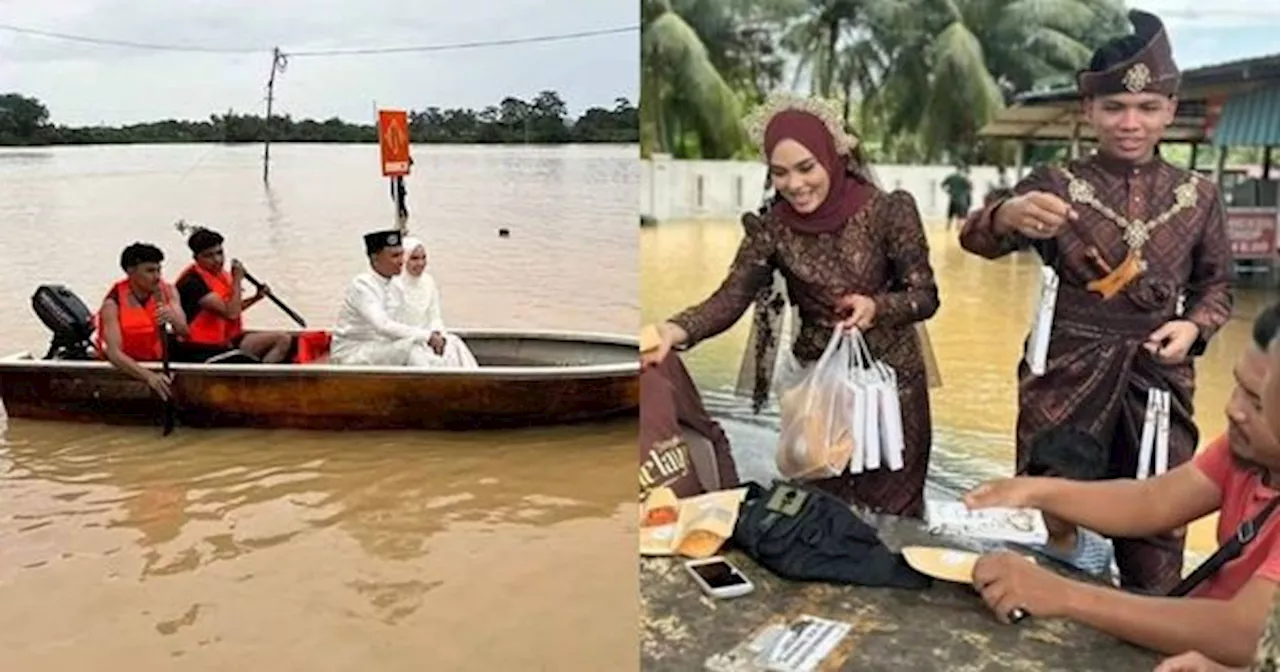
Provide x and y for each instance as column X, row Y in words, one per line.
column 211, row 299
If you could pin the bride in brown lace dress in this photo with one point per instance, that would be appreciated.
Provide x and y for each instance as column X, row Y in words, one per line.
column 849, row 254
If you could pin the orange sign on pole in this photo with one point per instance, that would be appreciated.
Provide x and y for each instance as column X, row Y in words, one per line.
column 393, row 137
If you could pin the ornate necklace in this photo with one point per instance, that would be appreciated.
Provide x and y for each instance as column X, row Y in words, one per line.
column 1136, row 232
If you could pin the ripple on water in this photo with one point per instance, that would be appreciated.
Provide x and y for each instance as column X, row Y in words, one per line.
column 297, row 534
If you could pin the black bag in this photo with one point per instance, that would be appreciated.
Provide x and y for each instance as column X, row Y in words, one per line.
column 1246, row 532
column 804, row 534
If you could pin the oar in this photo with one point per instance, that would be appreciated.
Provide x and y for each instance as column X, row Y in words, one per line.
column 279, row 304
column 165, row 331
column 186, row 229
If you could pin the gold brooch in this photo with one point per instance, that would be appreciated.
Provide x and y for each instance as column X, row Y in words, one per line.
column 1137, row 78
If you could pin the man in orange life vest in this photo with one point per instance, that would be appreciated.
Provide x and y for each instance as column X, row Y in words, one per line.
column 213, row 305
column 131, row 318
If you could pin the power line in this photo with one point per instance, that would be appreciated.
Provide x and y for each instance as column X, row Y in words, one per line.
column 125, row 43
column 322, row 52
column 468, row 45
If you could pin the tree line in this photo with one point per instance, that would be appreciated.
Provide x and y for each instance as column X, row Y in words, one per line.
column 24, row 121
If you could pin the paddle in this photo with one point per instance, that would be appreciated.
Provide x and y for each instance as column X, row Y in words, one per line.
column 279, row 304
column 166, row 332
column 186, row 229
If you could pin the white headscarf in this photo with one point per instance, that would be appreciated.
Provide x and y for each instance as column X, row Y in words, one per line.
column 422, row 297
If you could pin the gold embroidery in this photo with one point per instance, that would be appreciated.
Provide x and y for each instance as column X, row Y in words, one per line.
column 1137, row 78
column 1136, row 232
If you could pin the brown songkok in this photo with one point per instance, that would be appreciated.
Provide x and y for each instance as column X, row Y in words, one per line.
column 1150, row 70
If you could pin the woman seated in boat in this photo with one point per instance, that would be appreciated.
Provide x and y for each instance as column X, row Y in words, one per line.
column 852, row 255
column 130, row 324
column 421, row 308
column 213, row 305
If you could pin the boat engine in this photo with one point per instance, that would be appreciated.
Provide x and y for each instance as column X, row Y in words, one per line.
column 68, row 318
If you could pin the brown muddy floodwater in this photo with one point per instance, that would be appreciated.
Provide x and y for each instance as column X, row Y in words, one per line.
column 977, row 339
column 323, row 551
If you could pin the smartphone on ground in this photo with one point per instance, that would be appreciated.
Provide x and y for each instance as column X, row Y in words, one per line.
column 719, row 579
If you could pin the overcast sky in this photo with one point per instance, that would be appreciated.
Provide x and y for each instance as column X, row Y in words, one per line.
column 1211, row 31
column 89, row 84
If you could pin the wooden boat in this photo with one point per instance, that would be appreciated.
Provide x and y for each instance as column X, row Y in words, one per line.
column 526, row 378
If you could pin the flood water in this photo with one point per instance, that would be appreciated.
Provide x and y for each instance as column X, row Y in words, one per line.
column 977, row 340
column 120, row 549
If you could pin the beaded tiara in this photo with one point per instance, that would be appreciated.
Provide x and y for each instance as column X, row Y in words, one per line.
column 827, row 110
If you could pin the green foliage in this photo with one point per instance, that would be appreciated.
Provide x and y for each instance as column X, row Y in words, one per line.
column 919, row 78
column 686, row 107
column 544, row 120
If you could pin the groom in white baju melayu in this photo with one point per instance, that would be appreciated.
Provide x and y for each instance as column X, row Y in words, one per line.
column 368, row 332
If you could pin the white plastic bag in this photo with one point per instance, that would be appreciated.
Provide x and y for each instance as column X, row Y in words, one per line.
column 817, row 439
column 879, row 434
column 1153, row 454
column 1037, row 353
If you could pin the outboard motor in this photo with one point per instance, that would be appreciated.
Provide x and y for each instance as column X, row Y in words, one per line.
column 68, row 318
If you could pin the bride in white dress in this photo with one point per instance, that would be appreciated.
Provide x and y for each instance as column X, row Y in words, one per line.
column 422, row 309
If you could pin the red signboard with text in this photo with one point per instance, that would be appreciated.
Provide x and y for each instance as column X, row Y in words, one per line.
column 393, row 138
column 1252, row 232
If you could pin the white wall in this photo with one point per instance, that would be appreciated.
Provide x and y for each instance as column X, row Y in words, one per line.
column 679, row 189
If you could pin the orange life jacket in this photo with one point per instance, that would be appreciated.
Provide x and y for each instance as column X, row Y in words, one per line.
column 139, row 329
column 312, row 345
column 208, row 327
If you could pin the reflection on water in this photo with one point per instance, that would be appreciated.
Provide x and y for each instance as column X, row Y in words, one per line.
column 977, row 337
column 323, row 551
column 343, row 551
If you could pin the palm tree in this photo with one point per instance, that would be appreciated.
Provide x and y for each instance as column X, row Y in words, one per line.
column 686, row 107
column 956, row 62
column 818, row 37
column 941, row 69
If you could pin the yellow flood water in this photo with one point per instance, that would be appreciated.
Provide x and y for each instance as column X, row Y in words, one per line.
column 977, row 334
column 120, row 549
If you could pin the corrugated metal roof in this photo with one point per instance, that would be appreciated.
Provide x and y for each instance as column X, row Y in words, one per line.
column 1250, row 119
column 1058, row 122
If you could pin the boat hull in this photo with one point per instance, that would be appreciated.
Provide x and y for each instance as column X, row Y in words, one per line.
column 527, row 379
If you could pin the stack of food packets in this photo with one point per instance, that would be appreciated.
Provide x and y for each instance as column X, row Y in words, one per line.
column 695, row 527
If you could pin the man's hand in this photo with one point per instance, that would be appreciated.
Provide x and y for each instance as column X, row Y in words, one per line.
column 436, row 342
column 165, row 315
column 1036, row 214
column 1172, row 341
column 1017, row 492
column 159, row 384
column 237, row 271
column 1194, row 661
column 1010, row 582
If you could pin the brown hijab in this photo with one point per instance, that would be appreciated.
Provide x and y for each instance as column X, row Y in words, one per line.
column 847, row 194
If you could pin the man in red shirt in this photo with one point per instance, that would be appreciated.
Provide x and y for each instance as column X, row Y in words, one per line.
column 1235, row 475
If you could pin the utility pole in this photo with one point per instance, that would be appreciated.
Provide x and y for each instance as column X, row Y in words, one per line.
column 277, row 65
